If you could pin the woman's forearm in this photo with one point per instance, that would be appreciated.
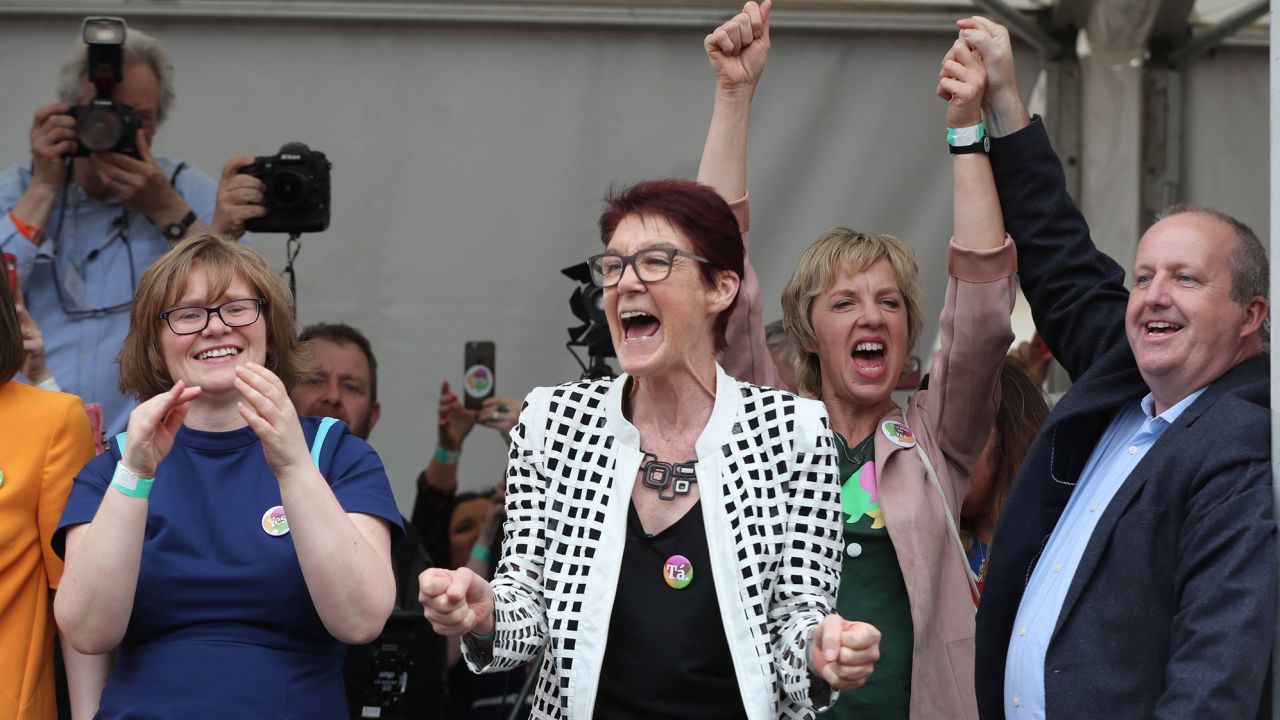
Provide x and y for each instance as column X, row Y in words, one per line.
column 95, row 598
column 345, row 558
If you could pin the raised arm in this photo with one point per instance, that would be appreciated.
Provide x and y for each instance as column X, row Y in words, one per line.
column 962, row 83
column 737, row 52
column 1002, row 106
column 974, row 327
column 1076, row 293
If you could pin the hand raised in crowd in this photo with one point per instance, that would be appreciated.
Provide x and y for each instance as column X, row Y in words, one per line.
column 240, row 198
column 140, row 182
column 1002, row 103
column 456, row 602
column 501, row 414
column 454, row 422
column 844, row 652
column 33, row 363
column 265, row 405
column 962, row 82
column 1034, row 358
column 153, row 425
column 738, row 49
column 53, row 137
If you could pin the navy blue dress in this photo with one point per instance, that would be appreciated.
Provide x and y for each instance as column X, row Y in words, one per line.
column 222, row 624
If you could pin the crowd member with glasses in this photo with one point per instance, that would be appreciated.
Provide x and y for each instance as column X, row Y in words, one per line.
column 852, row 309
column 672, row 538
column 84, row 228
column 226, row 547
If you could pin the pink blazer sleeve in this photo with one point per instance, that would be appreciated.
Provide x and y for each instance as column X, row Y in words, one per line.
column 747, row 355
column 974, row 336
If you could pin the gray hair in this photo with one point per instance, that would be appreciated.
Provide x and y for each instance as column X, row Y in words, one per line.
column 138, row 47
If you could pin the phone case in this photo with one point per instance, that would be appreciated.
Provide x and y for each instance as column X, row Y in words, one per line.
column 478, row 384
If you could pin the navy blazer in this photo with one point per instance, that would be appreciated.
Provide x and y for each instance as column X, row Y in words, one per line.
column 1171, row 613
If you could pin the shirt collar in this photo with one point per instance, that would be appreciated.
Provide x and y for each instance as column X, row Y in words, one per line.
column 1169, row 416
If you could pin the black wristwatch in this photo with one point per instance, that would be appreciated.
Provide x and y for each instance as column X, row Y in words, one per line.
column 176, row 231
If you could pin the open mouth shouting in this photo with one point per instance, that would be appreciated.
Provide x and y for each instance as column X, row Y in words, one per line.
column 869, row 358
column 638, row 325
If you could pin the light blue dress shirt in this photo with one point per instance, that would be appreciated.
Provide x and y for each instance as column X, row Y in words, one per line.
column 79, row 282
column 1123, row 445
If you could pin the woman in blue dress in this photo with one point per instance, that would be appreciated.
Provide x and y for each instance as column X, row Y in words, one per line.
column 226, row 546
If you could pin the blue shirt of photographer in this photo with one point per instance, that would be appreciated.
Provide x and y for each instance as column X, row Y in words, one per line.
column 79, row 281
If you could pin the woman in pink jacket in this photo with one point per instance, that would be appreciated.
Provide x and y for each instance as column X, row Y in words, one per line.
column 853, row 309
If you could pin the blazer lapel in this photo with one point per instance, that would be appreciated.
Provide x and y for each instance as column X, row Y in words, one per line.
column 1073, row 429
column 1173, row 437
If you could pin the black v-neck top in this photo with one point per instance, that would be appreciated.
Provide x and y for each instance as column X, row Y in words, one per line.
column 667, row 656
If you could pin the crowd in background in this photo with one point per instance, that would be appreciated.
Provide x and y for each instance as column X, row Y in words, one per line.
column 744, row 523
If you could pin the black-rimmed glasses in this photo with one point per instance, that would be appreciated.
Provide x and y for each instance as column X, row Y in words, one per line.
column 233, row 313
column 650, row 265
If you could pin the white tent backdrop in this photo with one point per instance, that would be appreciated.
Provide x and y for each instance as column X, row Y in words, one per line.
column 469, row 163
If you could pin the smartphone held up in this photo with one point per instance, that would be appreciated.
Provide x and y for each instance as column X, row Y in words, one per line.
column 479, row 381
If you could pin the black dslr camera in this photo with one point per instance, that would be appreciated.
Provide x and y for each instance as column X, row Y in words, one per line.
column 297, row 190
column 104, row 125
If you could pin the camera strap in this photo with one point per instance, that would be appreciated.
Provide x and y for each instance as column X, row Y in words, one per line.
column 292, row 248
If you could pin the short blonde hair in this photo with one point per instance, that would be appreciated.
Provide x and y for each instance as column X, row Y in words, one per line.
column 142, row 367
column 837, row 251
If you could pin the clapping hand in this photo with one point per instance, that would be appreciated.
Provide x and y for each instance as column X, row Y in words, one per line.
column 153, row 425
column 265, row 405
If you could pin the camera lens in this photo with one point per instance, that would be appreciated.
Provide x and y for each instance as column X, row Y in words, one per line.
column 288, row 189
column 98, row 129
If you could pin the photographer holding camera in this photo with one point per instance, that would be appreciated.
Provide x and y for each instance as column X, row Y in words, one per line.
column 94, row 208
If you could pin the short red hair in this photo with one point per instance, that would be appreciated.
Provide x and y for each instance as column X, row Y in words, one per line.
column 700, row 214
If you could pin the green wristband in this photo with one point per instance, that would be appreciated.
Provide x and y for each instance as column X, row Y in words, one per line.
column 481, row 553
column 486, row 638
column 448, row 457
column 965, row 136
column 130, row 484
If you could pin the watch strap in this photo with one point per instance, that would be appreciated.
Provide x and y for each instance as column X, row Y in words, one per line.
column 983, row 145
column 176, row 231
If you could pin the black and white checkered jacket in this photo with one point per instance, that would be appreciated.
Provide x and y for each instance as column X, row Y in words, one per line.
column 767, row 475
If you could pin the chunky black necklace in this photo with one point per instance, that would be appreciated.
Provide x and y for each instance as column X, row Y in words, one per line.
column 669, row 479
